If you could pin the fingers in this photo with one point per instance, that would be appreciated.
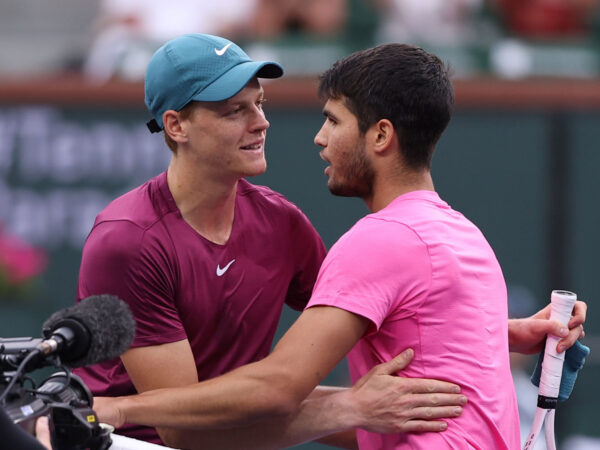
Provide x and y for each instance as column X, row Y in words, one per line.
column 438, row 400
column 566, row 343
column 424, row 419
column 575, row 331
column 42, row 432
column 426, row 386
column 422, row 426
column 440, row 412
column 396, row 364
column 579, row 313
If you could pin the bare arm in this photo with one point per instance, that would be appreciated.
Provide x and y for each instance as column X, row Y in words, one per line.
column 379, row 401
column 528, row 335
column 161, row 366
column 271, row 388
column 322, row 416
column 270, row 395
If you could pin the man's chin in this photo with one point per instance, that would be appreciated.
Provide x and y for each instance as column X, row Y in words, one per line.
column 341, row 191
column 348, row 191
column 257, row 171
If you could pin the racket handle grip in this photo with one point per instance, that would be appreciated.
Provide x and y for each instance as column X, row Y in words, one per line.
column 562, row 303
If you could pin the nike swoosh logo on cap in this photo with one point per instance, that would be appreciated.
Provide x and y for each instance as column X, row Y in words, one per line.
column 220, row 271
column 223, row 50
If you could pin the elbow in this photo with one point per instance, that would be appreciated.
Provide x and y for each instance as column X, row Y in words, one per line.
column 277, row 402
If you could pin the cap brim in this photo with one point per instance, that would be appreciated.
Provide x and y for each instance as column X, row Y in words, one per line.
column 233, row 81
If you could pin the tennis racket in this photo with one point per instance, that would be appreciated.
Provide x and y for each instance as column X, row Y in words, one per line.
column 562, row 303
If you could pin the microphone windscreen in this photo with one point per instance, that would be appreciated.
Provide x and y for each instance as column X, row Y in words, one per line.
column 109, row 322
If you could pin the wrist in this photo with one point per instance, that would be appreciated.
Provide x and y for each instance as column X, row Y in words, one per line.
column 120, row 408
column 513, row 331
column 346, row 410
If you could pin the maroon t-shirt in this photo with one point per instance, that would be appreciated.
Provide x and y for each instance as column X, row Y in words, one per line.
column 225, row 299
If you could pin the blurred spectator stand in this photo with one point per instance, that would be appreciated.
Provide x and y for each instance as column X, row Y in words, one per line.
column 564, row 20
column 127, row 32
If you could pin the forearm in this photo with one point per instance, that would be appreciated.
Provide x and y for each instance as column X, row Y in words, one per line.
column 271, row 388
column 227, row 401
column 325, row 412
column 329, row 416
column 242, row 397
column 514, row 326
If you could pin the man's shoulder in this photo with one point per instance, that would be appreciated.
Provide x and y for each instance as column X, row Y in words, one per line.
column 139, row 207
column 247, row 189
column 129, row 219
column 264, row 196
column 375, row 233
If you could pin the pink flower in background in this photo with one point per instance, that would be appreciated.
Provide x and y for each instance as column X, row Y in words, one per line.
column 19, row 262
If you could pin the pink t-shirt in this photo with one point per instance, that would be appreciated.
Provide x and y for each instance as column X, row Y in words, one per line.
column 225, row 299
column 427, row 279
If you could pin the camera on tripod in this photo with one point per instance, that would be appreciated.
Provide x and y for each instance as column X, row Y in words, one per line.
column 63, row 397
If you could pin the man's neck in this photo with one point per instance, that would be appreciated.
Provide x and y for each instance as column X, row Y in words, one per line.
column 205, row 203
column 386, row 189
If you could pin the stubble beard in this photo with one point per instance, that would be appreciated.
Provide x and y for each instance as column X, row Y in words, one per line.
column 356, row 176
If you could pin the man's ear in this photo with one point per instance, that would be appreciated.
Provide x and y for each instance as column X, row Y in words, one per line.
column 383, row 136
column 172, row 126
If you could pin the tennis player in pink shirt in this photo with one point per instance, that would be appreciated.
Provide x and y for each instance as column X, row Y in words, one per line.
column 413, row 280
column 425, row 278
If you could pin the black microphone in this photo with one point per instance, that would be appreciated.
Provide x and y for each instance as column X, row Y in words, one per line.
column 97, row 328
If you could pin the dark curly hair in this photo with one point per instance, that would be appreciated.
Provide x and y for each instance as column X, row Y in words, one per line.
column 398, row 82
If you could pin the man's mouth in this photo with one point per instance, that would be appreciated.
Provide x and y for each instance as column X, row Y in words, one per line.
column 258, row 146
column 328, row 168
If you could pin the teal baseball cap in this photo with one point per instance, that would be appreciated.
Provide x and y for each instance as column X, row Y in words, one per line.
column 198, row 67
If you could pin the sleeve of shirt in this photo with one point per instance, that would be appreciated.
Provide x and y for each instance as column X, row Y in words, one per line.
column 121, row 259
column 379, row 270
column 308, row 252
